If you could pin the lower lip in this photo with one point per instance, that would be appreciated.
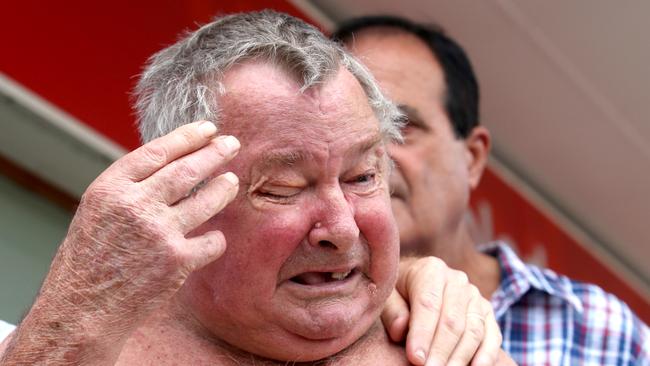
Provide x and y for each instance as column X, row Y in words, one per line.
column 342, row 287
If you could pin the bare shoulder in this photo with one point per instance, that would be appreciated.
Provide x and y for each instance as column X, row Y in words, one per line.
column 389, row 354
column 376, row 349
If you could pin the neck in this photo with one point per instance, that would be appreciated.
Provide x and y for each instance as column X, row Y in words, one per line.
column 458, row 250
column 172, row 330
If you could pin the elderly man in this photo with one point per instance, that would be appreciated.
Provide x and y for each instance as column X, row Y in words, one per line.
column 545, row 318
column 144, row 276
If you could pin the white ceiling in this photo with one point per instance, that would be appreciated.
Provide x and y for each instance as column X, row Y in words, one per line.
column 565, row 93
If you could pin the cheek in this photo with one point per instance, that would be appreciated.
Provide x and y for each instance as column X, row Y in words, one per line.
column 377, row 224
column 259, row 240
column 261, row 236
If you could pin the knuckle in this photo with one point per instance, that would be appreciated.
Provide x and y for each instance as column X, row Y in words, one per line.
column 156, row 153
column 426, row 267
column 225, row 185
column 220, row 150
column 209, row 209
column 459, row 277
column 103, row 197
column 186, row 171
column 430, row 300
column 476, row 331
column 186, row 136
column 432, row 262
column 453, row 324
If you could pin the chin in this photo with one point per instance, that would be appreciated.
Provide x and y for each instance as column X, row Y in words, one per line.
column 322, row 328
column 333, row 321
column 318, row 341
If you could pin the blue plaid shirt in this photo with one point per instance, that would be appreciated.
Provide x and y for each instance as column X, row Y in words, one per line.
column 549, row 319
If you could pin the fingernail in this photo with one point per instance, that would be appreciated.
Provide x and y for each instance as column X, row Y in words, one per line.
column 232, row 178
column 208, row 129
column 230, row 142
column 420, row 355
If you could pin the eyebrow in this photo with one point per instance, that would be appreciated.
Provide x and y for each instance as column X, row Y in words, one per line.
column 289, row 158
column 414, row 117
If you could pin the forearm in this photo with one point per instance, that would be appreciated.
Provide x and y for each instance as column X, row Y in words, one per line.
column 41, row 340
column 71, row 322
column 128, row 249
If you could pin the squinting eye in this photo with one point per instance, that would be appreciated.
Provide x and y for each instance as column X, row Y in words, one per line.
column 364, row 181
column 365, row 178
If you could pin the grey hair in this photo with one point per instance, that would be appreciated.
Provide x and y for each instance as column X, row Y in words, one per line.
column 181, row 83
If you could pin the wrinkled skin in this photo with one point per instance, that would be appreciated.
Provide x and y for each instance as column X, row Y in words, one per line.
column 315, row 190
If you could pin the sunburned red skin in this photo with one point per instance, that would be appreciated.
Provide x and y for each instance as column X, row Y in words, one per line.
column 313, row 198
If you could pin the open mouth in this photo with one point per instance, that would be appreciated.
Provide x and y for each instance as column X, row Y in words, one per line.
column 319, row 278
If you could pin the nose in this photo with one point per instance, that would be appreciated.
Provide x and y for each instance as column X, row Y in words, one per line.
column 334, row 224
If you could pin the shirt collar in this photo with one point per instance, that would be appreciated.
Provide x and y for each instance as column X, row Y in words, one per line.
column 518, row 278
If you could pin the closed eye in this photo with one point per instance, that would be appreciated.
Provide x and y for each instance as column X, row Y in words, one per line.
column 278, row 194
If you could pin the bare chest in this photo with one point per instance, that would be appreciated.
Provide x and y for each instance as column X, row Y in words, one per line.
column 185, row 351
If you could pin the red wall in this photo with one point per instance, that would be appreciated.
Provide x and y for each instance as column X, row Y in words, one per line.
column 85, row 57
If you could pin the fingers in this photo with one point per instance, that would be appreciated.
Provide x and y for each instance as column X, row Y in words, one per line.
column 473, row 334
column 202, row 249
column 177, row 179
column 206, row 202
column 490, row 348
column 452, row 319
column 450, row 323
column 395, row 316
column 423, row 283
column 154, row 155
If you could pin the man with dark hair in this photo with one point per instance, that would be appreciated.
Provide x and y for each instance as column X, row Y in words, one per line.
column 545, row 318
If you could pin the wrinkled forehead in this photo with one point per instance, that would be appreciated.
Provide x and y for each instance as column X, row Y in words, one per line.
column 262, row 104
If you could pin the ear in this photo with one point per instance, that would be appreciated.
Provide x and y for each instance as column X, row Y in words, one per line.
column 477, row 145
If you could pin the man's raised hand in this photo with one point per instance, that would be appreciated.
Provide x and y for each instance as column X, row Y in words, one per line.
column 129, row 247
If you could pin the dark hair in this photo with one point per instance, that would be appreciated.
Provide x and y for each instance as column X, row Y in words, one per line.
column 462, row 94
